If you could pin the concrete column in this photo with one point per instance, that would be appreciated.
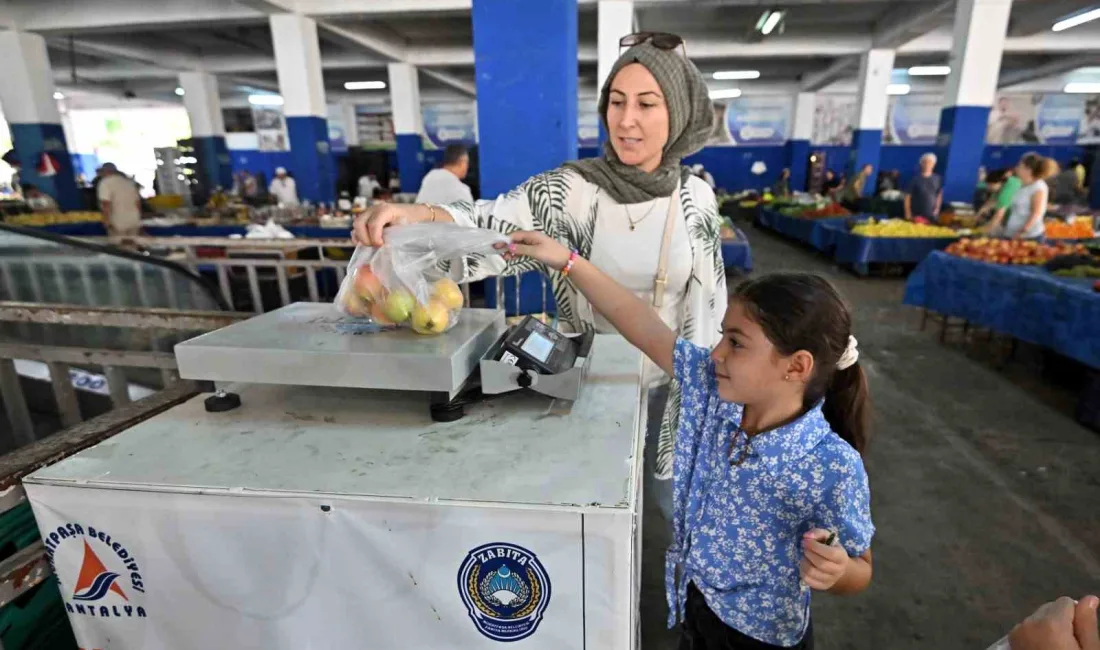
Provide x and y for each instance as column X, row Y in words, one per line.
column 875, row 67
column 204, row 108
column 351, row 124
column 408, row 124
column 801, row 134
column 525, row 60
column 298, row 64
column 27, row 97
column 977, row 46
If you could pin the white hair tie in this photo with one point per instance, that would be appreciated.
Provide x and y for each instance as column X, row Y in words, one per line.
column 850, row 356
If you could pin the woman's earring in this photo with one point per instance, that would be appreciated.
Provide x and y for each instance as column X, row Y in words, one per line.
column 786, row 377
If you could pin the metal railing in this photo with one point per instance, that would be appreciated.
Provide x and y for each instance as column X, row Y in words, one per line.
column 60, row 359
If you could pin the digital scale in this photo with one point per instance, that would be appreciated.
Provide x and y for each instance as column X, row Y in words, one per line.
column 311, row 344
column 321, row 505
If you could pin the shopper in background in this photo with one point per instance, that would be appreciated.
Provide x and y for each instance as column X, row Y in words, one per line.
column 283, row 188
column 615, row 210
column 1065, row 189
column 1025, row 215
column 119, row 202
column 444, row 184
column 1081, row 172
column 782, row 187
column 925, row 194
column 887, row 181
column 1003, row 185
column 832, row 183
column 853, row 191
column 366, row 186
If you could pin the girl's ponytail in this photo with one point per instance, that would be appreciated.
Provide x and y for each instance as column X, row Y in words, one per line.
column 847, row 406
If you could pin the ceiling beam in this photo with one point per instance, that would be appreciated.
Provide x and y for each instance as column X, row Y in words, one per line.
column 1027, row 19
column 894, row 30
column 839, row 68
column 1049, row 69
column 372, row 40
column 464, row 87
column 83, row 16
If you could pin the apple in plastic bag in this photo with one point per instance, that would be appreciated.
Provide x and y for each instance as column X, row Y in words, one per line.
column 399, row 305
column 368, row 286
column 355, row 306
column 378, row 314
column 431, row 318
column 448, row 292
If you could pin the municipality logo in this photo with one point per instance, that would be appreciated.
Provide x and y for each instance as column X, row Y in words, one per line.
column 506, row 590
column 111, row 589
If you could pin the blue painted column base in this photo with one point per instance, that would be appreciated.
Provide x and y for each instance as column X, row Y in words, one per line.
column 798, row 161
column 410, row 161
column 959, row 150
column 866, row 150
column 525, row 61
column 214, row 156
column 30, row 142
column 311, row 161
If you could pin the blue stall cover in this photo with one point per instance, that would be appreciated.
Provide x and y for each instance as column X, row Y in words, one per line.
column 1025, row 302
column 736, row 253
column 859, row 251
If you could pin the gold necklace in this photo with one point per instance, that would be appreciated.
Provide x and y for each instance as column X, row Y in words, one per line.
column 633, row 223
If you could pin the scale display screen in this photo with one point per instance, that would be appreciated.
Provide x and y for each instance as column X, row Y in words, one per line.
column 538, row 346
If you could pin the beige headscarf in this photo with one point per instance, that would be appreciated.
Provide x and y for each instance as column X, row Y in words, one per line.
column 690, row 122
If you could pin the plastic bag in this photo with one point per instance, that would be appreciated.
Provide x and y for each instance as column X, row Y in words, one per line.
column 403, row 283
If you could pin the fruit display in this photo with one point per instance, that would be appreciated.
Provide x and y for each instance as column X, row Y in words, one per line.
column 39, row 219
column 1076, row 228
column 1083, row 271
column 366, row 297
column 817, row 211
column 900, row 228
column 1011, row 251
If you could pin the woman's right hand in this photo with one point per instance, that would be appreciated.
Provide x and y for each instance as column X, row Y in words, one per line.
column 542, row 247
column 369, row 225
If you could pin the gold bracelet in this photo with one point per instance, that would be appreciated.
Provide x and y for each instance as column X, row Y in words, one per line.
column 431, row 208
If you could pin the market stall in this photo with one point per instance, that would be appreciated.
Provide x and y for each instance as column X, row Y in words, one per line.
column 736, row 252
column 1007, row 293
column 889, row 241
column 330, row 510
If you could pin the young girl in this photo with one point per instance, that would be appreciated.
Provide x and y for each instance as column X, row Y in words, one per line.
column 770, row 495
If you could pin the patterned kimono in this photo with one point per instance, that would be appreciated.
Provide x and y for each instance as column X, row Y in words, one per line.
column 564, row 205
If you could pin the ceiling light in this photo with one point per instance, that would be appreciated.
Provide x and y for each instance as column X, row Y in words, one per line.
column 771, row 23
column 265, row 100
column 1082, row 87
column 897, row 89
column 737, row 74
column 1074, row 21
column 179, row 91
column 57, row 94
column 930, row 71
column 727, row 93
column 763, row 19
column 364, row 85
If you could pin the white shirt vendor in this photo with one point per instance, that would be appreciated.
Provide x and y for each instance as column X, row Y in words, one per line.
column 444, row 185
column 120, row 202
column 283, row 188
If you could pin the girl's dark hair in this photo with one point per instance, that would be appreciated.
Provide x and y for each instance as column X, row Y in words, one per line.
column 801, row 311
column 1040, row 166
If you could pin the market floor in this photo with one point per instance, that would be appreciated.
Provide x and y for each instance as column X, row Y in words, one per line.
column 985, row 492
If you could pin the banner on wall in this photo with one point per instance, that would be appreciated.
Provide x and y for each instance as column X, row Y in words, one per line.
column 1055, row 119
column 1090, row 122
column 270, row 128
column 759, row 120
column 834, row 116
column 913, row 119
column 1059, row 118
column 446, row 124
column 588, row 125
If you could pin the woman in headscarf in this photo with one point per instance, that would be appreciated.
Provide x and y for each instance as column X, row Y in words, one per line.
column 614, row 210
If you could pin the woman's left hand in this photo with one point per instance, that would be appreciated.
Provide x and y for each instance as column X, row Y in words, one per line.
column 822, row 565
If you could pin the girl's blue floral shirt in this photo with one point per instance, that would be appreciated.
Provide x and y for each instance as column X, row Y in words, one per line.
column 737, row 529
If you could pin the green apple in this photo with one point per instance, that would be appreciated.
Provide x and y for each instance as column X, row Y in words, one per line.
column 399, row 305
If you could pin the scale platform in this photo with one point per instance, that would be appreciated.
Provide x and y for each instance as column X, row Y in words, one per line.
column 312, row 344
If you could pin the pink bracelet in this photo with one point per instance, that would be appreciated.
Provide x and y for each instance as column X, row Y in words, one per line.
column 569, row 265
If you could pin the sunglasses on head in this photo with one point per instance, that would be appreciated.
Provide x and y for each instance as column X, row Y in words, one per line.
column 659, row 40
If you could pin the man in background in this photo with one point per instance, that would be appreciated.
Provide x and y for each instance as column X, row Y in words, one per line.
column 444, row 185
column 925, row 194
column 119, row 202
column 283, row 188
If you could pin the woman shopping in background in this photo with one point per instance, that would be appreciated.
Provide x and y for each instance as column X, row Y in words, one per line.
column 1029, row 205
column 643, row 217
